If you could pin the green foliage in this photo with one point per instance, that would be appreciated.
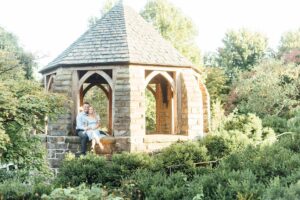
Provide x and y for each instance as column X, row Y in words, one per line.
column 217, row 115
column 242, row 50
column 82, row 192
column 244, row 130
column 279, row 124
column 217, row 83
column 174, row 27
column 279, row 191
column 14, row 61
column 217, row 146
column 13, row 189
column 150, row 112
column 23, row 106
column 108, row 4
column 270, row 90
column 157, row 185
column 289, row 41
column 88, row 169
column 181, row 157
column 94, row 169
column 129, row 162
column 23, row 185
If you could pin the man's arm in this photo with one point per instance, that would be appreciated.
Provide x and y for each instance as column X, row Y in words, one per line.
column 79, row 122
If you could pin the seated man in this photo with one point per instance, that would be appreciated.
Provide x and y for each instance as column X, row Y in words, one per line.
column 81, row 127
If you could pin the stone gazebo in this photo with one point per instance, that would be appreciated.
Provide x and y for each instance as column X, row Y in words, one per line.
column 125, row 56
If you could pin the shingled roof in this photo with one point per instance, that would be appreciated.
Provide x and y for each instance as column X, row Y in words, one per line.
column 120, row 36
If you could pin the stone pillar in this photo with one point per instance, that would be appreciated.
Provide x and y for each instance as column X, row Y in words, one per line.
column 137, row 109
column 191, row 106
column 129, row 108
column 206, row 107
column 62, row 84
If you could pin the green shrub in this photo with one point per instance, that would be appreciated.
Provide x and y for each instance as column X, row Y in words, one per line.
column 14, row 189
column 82, row 192
column 279, row 191
column 21, row 184
column 290, row 141
column 227, row 184
column 94, row 169
column 266, row 163
column 217, row 146
column 20, row 175
column 279, row 124
column 129, row 162
column 181, row 157
column 86, row 169
column 145, row 184
column 242, row 130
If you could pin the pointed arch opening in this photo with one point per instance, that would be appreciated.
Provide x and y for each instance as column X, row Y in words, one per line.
column 95, row 87
column 160, row 93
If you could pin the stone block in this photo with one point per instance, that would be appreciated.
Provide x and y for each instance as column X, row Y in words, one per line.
column 73, row 139
column 55, row 139
column 60, row 156
column 54, row 162
column 122, row 144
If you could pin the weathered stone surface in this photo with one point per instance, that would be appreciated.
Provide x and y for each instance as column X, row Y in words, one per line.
column 55, row 139
column 73, row 139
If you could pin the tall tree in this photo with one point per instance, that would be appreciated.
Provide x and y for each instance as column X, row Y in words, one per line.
column 269, row 89
column 23, row 106
column 13, row 57
column 108, row 4
column 242, row 50
column 174, row 26
column 289, row 46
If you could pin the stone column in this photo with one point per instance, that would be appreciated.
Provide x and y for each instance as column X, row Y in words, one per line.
column 62, row 84
column 191, row 106
column 129, row 108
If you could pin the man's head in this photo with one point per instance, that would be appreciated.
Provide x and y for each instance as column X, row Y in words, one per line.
column 86, row 106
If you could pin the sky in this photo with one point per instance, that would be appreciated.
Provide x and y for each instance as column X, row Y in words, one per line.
column 47, row 27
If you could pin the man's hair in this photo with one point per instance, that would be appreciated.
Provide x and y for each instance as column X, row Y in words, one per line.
column 86, row 103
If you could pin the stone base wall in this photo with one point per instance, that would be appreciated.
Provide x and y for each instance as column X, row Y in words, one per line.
column 58, row 146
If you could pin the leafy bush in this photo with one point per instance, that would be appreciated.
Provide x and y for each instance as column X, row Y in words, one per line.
column 14, row 189
column 227, row 184
column 145, row 184
column 279, row 191
column 22, row 184
column 94, row 169
column 217, row 146
column 181, row 157
column 23, row 107
column 79, row 193
column 279, row 124
column 241, row 130
column 86, row 169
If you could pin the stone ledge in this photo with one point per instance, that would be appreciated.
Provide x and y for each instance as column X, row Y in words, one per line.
column 163, row 138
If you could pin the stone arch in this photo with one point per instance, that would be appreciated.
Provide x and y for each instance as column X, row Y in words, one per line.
column 206, row 106
column 166, row 99
column 106, row 92
column 90, row 73
column 164, row 74
column 50, row 82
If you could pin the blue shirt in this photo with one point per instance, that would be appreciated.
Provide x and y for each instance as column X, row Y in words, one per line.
column 81, row 120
